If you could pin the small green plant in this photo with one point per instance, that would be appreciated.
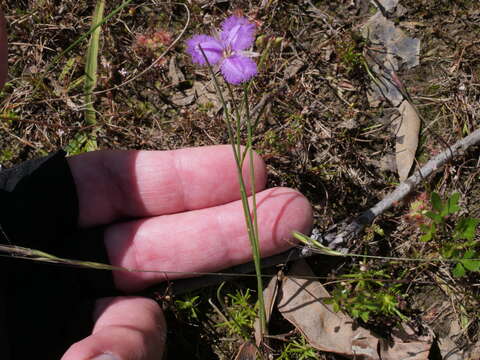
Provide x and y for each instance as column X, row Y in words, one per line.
column 82, row 142
column 366, row 294
column 456, row 242
column 189, row 306
column 298, row 349
column 350, row 53
column 241, row 314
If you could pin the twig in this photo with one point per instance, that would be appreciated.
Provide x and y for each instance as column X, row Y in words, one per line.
column 381, row 8
column 340, row 238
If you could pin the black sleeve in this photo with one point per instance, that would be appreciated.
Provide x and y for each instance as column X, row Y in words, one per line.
column 39, row 204
column 46, row 308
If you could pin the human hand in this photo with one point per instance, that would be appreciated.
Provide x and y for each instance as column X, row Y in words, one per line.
column 187, row 218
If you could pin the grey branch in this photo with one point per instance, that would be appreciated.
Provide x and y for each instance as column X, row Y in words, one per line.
column 340, row 239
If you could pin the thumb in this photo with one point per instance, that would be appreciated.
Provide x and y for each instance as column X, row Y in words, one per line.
column 126, row 328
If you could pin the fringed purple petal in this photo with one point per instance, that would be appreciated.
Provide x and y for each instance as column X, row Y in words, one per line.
column 238, row 33
column 237, row 69
column 212, row 48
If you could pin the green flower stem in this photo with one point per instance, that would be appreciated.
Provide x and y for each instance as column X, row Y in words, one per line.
column 252, row 226
column 255, row 241
column 238, row 125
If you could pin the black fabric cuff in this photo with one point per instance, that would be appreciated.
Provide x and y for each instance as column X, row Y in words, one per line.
column 48, row 307
column 39, row 203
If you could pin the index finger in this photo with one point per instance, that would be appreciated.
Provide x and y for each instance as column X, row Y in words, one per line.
column 115, row 185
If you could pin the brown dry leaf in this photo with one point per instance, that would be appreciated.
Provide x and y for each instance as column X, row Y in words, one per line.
column 301, row 303
column 174, row 73
column 269, row 296
column 293, row 68
column 406, row 141
column 247, row 351
column 405, row 344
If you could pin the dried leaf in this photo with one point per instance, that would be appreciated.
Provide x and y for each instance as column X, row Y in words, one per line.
column 174, row 73
column 247, row 351
column 406, row 344
column 300, row 302
column 406, row 138
column 399, row 51
column 293, row 68
column 183, row 98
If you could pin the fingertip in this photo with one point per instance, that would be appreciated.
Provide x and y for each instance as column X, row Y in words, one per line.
column 126, row 328
column 293, row 213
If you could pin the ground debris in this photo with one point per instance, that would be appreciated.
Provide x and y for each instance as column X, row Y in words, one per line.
column 301, row 303
column 395, row 51
column 391, row 51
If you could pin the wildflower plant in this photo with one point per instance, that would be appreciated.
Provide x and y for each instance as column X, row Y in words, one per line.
column 228, row 51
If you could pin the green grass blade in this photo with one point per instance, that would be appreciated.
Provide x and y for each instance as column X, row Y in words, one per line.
column 87, row 34
column 91, row 63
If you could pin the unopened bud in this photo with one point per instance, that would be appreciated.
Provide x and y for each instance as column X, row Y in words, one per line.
column 261, row 41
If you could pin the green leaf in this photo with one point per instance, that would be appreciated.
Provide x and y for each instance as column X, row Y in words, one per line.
column 466, row 229
column 336, row 307
column 472, row 265
column 429, row 232
column 436, row 202
column 458, row 270
column 450, row 250
column 434, row 216
column 91, row 63
column 364, row 315
column 452, row 203
column 82, row 142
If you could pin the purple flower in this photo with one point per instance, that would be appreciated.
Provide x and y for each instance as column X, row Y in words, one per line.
column 228, row 50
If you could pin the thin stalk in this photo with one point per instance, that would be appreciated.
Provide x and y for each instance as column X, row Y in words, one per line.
column 255, row 241
column 238, row 125
column 18, row 252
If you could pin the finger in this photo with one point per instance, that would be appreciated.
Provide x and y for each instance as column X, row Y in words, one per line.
column 113, row 185
column 203, row 240
column 126, row 328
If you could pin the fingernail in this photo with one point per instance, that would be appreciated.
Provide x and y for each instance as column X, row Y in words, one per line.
column 106, row 357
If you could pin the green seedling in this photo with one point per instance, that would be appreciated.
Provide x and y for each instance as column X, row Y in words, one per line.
column 298, row 349
column 241, row 314
column 460, row 242
column 82, row 142
column 365, row 294
column 189, row 306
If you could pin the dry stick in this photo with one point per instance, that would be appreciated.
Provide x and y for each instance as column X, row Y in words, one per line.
column 340, row 238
